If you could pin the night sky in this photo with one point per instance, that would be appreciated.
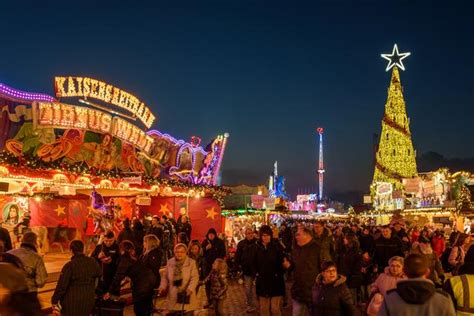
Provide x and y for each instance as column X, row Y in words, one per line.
column 267, row 73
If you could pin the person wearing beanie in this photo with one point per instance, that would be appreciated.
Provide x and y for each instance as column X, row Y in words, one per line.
column 33, row 264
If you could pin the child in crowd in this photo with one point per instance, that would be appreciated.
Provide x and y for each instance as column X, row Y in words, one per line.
column 218, row 279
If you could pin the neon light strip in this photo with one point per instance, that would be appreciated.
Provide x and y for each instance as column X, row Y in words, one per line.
column 219, row 163
column 24, row 95
column 174, row 140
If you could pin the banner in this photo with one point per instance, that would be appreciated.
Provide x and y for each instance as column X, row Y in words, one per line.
column 49, row 213
column 204, row 213
column 65, row 212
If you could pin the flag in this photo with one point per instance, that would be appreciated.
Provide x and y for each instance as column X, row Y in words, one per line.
column 48, row 213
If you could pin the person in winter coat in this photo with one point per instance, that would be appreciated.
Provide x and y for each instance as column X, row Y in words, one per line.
column 386, row 247
column 152, row 256
column 415, row 234
column 367, row 241
column 126, row 233
column 349, row 264
column 14, row 297
column 367, row 271
column 33, row 264
column 195, row 253
column 138, row 234
column 183, row 226
column 106, row 253
column 459, row 286
column 399, row 231
column 423, row 247
column 305, row 264
column 330, row 293
column 75, row 290
column 458, row 252
column 286, row 237
column 156, row 228
column 417, row 295
column 245, row 259
column 218, row 280
column 269, row 259
column 143, row 280
column 213, row 248
column 325, row 241
column 438, row 243
column 180, row 278
column 385, row 281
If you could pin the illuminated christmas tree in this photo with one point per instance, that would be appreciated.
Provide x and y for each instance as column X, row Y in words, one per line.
column 395, row 157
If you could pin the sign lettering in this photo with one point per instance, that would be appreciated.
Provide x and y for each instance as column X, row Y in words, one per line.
column 87, row 87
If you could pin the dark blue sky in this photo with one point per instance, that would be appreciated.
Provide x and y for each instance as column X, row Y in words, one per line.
column 268, row 73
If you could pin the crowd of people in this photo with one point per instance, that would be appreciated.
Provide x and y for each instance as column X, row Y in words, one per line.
column 325, row 268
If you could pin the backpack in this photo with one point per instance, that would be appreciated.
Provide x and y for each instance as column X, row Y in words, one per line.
column 447, row 267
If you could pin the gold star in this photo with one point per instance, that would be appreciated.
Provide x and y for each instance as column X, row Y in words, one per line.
column 164, row 209
column 211, row 213
column 60, row 210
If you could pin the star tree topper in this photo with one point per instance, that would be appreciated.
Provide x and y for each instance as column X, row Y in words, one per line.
column 395, row 58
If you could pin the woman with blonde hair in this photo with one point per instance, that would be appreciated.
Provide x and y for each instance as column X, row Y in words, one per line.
column 387, row 280
column 152, row 255
column 179, row 281
column 218, row 280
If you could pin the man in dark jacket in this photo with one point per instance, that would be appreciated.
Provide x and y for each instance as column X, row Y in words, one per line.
column 286, row 237
column 386, row 247
column 306, row 263
column 367, row 241
column 107, row 255
column 245, row 258
column 156, row 228
column 126, row 233
column 183, row 226
column 325, row 241
column 417, row 295
column 75, row 289
column 399, row 231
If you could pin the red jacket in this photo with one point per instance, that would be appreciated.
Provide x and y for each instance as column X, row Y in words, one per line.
column 438, row 244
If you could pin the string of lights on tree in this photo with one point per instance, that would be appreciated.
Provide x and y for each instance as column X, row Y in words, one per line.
column 395, row 157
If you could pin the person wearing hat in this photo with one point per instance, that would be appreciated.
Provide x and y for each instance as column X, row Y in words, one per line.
column 460, row 286
column 423, row 247
column 33, row 264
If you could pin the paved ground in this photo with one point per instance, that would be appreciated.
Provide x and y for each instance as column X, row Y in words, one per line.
column 234, row 305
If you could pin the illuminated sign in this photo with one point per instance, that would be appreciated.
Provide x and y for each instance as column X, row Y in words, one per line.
column 65, row 116
column 91, row 88
column 384, row 188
